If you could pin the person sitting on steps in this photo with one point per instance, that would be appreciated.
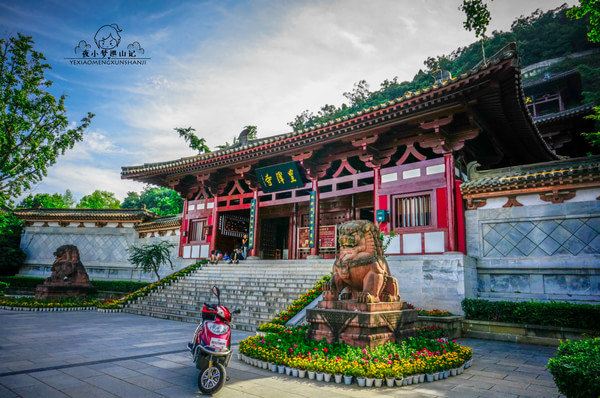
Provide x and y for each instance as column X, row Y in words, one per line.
column 214, row 257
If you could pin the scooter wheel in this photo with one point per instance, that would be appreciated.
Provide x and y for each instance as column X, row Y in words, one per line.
column 211, row 379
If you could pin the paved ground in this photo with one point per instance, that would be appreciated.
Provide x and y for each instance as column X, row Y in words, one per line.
column 89, row 354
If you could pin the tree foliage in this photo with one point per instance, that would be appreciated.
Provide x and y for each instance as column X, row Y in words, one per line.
column 478, row 17
column 11, row 255
column 99, row 200
column 150, row 257
column 48, row 201
column 194, row 142
column 539, row 36
column 590, row 10
column 34, row 127
column 594, row 136
column 161, row 201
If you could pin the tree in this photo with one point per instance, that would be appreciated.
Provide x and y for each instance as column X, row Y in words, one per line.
column 300, row 121
column 591, row 10
column 478, row 19
column 161, row 201
column 131, row 201
column 594, row 137
column 48, row 201
column 99, row 200
column 11, row 255
column 194, row 142
column 34, row 127
column 359, row 94
column 150, row 257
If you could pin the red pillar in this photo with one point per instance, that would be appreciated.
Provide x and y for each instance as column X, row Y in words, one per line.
column 183, row 229
column 254, row 252
column 215, row 224
column 376, row 186
column 451, row 210
column 314, row 251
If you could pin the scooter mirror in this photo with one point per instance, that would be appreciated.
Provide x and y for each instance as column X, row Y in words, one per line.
column 237, row 311
column 215, row 290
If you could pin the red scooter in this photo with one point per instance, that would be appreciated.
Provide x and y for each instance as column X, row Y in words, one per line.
column 211, row 347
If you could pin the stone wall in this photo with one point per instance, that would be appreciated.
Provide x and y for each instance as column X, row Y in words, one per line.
column 537, row 250
column 103, row 249
column 435, row 281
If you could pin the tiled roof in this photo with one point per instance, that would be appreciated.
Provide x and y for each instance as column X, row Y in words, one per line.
column 397, row 108
column 562, row 172
column 102, row 215
column 160, row 223
column 567, row 113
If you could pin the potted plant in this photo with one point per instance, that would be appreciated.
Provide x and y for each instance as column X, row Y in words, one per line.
column 359, row 372
column 390, row 374
column 348, row 379
column 280, row 369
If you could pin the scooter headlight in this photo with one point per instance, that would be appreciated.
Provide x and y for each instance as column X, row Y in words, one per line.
column 217, row 328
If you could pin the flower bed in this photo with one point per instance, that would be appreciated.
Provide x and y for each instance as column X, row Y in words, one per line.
column 413, row 360
column 277, row 323
column 29, row 283
column 110, row 304
column 576, row 368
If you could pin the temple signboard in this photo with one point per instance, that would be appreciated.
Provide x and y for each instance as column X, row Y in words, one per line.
column 327, row 237
column 279, row 177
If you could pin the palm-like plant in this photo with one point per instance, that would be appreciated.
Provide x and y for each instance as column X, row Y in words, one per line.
column 150, row 257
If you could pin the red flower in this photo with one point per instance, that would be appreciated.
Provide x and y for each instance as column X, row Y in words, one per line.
column 325, row 350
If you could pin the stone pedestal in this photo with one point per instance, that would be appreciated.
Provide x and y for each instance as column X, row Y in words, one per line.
column 361, row 324
column 46, row 291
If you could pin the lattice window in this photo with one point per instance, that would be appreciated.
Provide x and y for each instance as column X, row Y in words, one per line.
column 412, row 211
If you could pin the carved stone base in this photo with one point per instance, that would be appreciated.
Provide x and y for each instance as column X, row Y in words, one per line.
column 361, row 324
column 57, row 291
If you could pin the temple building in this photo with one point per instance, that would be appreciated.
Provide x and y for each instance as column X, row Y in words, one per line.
column 469, row 181
column 399, row 164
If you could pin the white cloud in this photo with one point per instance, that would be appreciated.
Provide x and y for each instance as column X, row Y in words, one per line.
column 84, row 179
column 267, row 67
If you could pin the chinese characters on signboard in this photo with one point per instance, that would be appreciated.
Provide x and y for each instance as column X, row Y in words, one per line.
column 279, row 177
column 327, row 237
column 252, row 222
column 311, row 219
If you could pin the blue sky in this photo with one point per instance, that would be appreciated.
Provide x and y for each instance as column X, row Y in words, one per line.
column 221, row 65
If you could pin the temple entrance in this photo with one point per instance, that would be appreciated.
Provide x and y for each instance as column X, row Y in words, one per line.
column 232, row 227
column 274, row 238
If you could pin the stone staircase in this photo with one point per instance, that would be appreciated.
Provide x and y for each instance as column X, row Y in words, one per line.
column 259, row 289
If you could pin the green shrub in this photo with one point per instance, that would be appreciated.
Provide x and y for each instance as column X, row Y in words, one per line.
column 576, row 368
column 560, row 314
column 11, row 255
column 30, row 283
column 3, row 287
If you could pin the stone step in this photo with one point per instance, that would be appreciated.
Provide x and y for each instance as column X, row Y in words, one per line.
column 259, row 289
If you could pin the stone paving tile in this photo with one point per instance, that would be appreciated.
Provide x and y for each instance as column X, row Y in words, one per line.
column 148, row 382
column 120, row 372
column 500, row 369
column 38, row 391
column 87, row 391
column 119, row 387
column 81, row 372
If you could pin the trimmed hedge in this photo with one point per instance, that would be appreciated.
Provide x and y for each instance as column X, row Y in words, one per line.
column 576, row 368
column 276, row 324
column 553, row 313
column 30, row 283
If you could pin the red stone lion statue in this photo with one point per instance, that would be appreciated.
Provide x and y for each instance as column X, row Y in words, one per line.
column 361, row 271
column 67, row 268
